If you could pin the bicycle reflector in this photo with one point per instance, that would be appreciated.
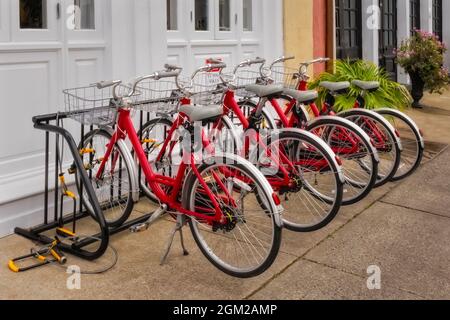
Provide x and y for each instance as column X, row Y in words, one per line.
column 339, row 160
column 421, row 133
column 276, row 199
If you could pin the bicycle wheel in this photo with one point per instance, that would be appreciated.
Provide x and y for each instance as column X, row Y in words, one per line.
column 383, row 138
column 154, row 133
column 114, row 188
column 352, row 145
column 313, row 196
column 247, row 242
column 359, row 161
column 411, row 139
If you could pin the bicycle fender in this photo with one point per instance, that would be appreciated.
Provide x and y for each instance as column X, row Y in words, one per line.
column 375, row 115
column 347, row 122
column 132, row 165
column 407, row 118
column 322, row 143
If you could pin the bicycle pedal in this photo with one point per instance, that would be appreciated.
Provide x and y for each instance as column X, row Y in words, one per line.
column 141, row 227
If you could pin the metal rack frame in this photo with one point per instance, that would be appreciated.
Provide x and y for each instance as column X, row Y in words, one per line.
column 50, row 123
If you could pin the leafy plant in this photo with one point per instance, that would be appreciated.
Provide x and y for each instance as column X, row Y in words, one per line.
column 390, row 94
column 423, row 53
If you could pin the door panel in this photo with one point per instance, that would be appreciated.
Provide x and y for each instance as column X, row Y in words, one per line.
column 388, row 37
column 348, row 29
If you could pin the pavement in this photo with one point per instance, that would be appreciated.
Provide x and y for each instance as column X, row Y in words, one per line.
column 402, row 230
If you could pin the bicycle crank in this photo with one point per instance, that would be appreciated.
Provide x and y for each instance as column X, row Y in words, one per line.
column 141, row 227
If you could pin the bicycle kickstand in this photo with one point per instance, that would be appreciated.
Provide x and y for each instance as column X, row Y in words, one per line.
column 181, row 222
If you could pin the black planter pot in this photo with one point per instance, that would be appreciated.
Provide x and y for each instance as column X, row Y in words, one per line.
column 418, row 87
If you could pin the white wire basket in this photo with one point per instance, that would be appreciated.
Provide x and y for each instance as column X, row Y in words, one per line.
column 160, row 96
column 206, row 88
column 245, row 77
column 92, row 106
column 288, row 77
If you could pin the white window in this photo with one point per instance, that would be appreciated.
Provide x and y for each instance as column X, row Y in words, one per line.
column 224, row 15
column 172, row 15
column 202, row 15
column 84, row 14
column 34, row 20
column 83, row 19
column 247, row 14
column 33, row 14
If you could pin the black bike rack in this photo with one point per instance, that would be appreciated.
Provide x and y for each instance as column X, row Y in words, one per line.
column 51, row 124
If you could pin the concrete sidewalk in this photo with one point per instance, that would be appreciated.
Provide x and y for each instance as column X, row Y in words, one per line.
column 402, row 228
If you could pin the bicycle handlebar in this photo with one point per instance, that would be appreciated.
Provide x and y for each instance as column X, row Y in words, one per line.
column 249, row 62
column 106, row 84
column 318, row 60
column 156, row 76
column 171, row 67
column 304, row 66
column 282, row 59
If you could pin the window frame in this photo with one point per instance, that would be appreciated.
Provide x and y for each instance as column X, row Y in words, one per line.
column 208, row 34
column 85, row 34
column 21, row 35
column 225, row 35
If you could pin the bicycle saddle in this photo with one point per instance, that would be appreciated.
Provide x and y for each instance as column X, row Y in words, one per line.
column 202, row 113
column 265, row 91
column 302, row 96
column 366, row 85
column 335, row 86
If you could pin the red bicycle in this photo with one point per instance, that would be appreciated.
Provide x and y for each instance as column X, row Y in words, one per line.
column 303, row 171
column 352, row 145
column 382, row 134
column 232, row 211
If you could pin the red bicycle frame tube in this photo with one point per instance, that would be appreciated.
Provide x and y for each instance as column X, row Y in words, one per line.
column 230, row 104
column 125, row 128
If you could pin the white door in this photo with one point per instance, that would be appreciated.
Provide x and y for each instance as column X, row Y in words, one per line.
column 45, row 46
column 226, row 29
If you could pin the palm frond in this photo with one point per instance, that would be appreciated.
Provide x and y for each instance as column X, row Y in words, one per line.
column 390, row 95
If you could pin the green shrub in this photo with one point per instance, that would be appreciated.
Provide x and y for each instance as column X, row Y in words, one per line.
column 390, row 94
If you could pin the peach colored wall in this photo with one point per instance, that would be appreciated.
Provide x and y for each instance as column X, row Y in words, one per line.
column 298, row 30
column 306, row 31
column 320, row 32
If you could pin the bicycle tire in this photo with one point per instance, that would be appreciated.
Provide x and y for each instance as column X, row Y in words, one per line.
column 263, row 190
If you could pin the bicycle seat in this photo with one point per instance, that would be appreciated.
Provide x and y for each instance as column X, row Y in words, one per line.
column 335, row 86
column 302, row 96
column 366, row 85
column 202, row 113
column 265, row 91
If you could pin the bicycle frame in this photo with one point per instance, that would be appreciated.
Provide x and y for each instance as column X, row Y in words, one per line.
column 284, row 165
column 125, row 128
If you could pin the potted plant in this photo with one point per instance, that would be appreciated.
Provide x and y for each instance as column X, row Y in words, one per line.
column 422, row 56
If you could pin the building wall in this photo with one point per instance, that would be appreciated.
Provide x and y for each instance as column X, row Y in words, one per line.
column 320, row 34
column 299, row 30
column 307, row 28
